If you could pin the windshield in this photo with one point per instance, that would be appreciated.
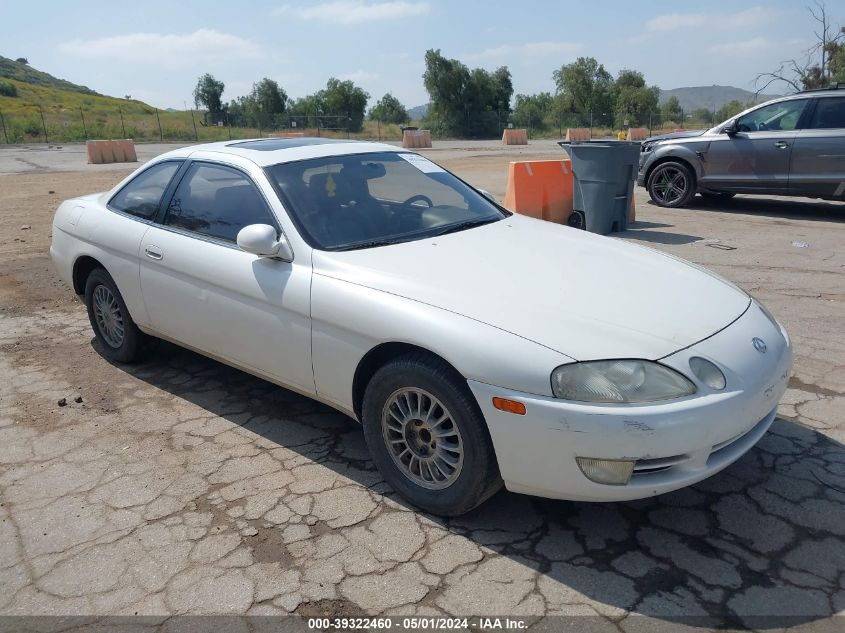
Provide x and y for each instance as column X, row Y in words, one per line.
column 366, row 200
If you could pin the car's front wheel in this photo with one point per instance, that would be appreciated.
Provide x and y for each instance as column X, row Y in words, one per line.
column 119, row 337
column 427, row 436
column 671, row 184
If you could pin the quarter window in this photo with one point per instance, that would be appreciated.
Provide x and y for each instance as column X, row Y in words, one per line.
column 830, row 113
column 142, row 195
column 216, row 201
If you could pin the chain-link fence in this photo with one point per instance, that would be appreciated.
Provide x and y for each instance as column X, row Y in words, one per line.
column 609, row 124
column 33, row 123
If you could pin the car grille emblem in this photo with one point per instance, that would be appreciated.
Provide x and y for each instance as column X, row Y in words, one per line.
column 759, row 345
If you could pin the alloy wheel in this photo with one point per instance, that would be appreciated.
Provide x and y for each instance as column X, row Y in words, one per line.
column 422, row 438
column 669, row 186
column 108, row 316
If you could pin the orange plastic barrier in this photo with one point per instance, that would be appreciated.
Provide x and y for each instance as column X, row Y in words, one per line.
column 578, row 134
column 540, row 189
column 416, row 139
column 515, row 137
column 637, row 134
column 286, row 135
column 121, row 151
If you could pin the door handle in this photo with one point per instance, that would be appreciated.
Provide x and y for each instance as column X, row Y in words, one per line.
column 153, row 252
column 781, row 144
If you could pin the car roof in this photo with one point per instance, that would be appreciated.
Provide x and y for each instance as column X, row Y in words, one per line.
column 272, row 151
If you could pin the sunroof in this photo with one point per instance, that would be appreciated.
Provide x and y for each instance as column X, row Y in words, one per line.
column 272, row 144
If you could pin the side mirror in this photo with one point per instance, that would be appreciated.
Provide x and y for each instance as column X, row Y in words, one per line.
column 731, row 128
column 488, row 195
column 261, row 240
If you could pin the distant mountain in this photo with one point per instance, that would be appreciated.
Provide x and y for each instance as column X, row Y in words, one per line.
column 711, row 97
column 10, row 69
column 418, row 112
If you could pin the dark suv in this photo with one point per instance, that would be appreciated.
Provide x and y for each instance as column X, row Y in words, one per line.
column 792, row 146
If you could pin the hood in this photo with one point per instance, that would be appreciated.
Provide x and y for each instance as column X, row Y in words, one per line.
column 583, row 295
column 672, row 135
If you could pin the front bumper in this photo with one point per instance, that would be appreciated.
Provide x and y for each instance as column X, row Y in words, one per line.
column 674, row 443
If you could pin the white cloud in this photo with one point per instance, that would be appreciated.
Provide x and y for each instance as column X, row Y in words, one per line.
column 746, row 18
column 743, row 46
column 529, row 49
column 357, row 11
column 359, row 76
column 169, row 49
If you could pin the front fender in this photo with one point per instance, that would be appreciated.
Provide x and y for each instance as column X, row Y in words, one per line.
column 686, row 152
column 349, row 320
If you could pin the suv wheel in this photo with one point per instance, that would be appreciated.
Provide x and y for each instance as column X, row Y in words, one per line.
column 671, row 185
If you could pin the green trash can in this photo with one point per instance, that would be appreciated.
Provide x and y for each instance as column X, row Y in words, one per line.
column 603, row 182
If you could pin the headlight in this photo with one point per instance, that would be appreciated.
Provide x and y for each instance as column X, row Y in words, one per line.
column 614, row 381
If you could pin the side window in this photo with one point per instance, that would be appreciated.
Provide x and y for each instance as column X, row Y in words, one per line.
column 216, row 201
column 829, row 114
column 778, row 117
column 142, row 195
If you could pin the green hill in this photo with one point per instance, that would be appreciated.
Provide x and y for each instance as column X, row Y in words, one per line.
column 10, row 69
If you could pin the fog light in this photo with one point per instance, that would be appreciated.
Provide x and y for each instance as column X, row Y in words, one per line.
column 707, row 373
column 613, row 472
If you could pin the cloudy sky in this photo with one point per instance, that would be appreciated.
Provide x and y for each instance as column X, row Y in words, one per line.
column 155, row 50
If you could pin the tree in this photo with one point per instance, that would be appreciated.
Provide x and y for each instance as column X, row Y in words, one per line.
column 634, row 101
column 585, row 87
column 389, row 109
column 703, row 114
column 532, row 111
column 672, row 110
column 208, row 93
column 344, row 99
column 731, row 108
column 806, row 73
column 269, row 97
column 464, row 102
column 22, row 60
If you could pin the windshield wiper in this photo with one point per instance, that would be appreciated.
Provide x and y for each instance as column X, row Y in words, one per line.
column 460, row 226
column 370, row 244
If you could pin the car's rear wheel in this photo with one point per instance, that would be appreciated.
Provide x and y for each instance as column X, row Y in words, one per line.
column 671, row 184
column 119, row 337
column 717, row 195
column 427, row 436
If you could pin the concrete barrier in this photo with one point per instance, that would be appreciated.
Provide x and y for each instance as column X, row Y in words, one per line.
column 103, row 152
column 578, row 134
column 515, row 137
column 637, row 134
column 416, row 139
column 540, row 189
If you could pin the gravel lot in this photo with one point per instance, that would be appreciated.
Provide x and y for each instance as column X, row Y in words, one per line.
column 183, row 486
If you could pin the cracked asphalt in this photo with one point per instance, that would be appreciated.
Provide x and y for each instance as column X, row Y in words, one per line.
column 182, row 486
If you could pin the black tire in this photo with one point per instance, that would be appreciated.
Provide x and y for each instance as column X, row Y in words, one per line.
column 577, row 220
column 132, row 341
column 478, row 478
column 717, row 195
column 671, row 185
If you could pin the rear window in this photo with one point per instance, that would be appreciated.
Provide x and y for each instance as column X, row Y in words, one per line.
column 829, row 114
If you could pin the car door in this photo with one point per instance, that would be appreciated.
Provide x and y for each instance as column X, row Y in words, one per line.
column 818, row 158
column 119, row 234
column 755, row 159
column 202, row 291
